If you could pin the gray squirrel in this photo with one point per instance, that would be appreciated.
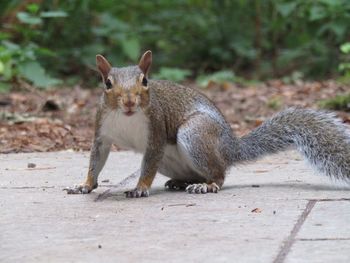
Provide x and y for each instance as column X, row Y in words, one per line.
column 184, row 136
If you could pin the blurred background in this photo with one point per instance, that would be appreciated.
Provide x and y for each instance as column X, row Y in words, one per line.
column 48, row 42
column 247, row 55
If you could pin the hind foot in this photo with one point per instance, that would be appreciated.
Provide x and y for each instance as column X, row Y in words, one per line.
column 176, row 184
column 202, row 188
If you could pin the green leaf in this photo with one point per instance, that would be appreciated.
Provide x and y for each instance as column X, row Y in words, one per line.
column 88, row 53
column 131, row 48
column 173, row 74
column 244, row 49
column 7, row 71
column 112, row 24
column 344, row 66
column 345, row 48
column 2, row 67
column 4, row 35
column 317, row 13
column 10, row 46
column 34, row 72
column 217, row 77
column 28, row 19
column 45, row 52
column 285, row 9
column 332, row 2
column 336, row 28
column 339, row 102
column 33, row 8
column 4, row 87
column 52, row 14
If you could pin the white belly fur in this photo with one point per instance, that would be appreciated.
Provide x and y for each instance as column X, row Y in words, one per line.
column 176, row 165
column 131, row 132
column 128, row 132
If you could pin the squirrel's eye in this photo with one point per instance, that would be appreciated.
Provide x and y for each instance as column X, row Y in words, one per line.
column 144, row 81
column 108, row 84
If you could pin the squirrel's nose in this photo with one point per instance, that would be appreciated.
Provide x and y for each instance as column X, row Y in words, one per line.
column 129, row 104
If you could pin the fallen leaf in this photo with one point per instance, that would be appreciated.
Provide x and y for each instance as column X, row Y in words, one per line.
column 260, row 171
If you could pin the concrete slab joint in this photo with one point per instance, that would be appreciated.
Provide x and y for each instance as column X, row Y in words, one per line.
column 275, row 210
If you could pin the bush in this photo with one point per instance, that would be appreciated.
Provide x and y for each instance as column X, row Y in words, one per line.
column 340, row 102
column 253, row 38
column 344, row 67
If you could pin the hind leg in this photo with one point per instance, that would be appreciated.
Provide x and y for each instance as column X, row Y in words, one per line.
column 200, row 142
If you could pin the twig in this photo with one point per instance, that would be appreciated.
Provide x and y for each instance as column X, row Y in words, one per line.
column 186, row 205
column 29, row 169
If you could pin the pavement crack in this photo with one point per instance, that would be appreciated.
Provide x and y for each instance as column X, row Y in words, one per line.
column 324, row 239
column 330, row 200
column 287, row 244
column 26, row 187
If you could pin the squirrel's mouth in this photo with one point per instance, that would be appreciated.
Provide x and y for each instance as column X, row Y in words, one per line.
column 129, row 112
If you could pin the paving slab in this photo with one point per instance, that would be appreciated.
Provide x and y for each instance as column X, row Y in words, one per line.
column 325, row 235
column 274, row 210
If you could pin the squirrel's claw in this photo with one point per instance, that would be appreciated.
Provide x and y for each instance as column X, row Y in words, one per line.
column 78, row 189
column 137, row 193
column 202, row 188
column 197, row 188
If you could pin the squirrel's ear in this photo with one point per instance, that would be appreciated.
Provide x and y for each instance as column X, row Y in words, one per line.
column 146, row 62
column 103, row 66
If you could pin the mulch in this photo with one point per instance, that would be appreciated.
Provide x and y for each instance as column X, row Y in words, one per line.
column 62, row 119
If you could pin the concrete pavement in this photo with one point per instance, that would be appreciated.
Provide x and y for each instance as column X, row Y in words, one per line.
column 275, row 210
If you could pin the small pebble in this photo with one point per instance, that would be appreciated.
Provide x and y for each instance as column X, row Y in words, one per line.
column 99, row 246
column 31, row 165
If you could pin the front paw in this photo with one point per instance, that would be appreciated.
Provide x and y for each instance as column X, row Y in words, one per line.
column 137, row 192
column 79, row 189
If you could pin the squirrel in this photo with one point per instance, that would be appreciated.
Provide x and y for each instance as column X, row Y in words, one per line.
column 185, row 137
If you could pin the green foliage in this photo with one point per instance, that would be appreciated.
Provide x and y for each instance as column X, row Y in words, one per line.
column 340, row 102
column 22, row 60
column 34, row 72
column 253, row 38
column 173, row 74
column 218, row 77
column 344, row 67
column 294, row 77
column 274, row 103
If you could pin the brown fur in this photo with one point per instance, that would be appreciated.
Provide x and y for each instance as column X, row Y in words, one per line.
column 188, row 138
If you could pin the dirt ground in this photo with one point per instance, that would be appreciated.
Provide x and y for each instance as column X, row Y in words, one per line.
column 40, row 121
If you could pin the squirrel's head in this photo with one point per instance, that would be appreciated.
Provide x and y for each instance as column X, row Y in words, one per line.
column 126, row 89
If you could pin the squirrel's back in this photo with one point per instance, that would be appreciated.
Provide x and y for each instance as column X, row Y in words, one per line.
column 178, row 103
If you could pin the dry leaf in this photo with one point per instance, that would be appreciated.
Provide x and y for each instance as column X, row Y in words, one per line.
column 260, row 171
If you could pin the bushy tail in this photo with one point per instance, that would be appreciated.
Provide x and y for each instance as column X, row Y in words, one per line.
column 319, row 136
